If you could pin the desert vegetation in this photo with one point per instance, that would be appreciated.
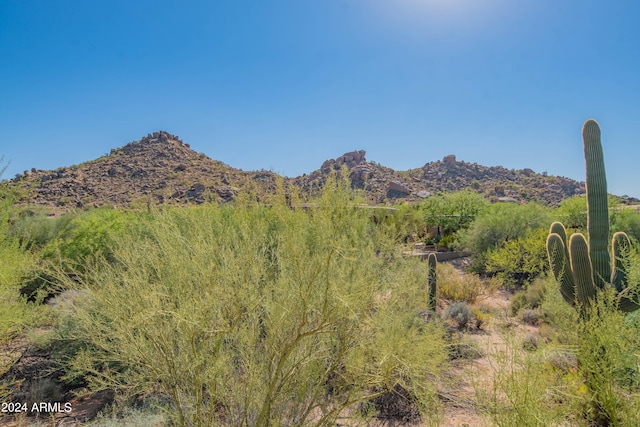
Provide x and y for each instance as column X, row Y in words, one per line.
column 265, row 311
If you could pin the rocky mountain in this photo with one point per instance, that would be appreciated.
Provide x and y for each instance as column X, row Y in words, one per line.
column 161, row 168
column 383, row 185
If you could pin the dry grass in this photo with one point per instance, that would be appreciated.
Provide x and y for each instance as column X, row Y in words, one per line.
column 467, row 287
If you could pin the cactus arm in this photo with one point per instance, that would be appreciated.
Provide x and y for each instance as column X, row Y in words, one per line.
column 559, row 262
column 431, row 281
column 582, row 269
column 558, row 228
column 627, row 304
column 597, row 204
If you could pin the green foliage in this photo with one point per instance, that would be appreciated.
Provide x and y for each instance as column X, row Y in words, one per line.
column 406, row 224
column 609, row 360
column 87, row 237
column 255, row 316
column 16, row 314
column 70, row 243
column 573, row 213
column 531, row 297
column 35, row 229
column 519, row 261
column 452, row 211
column 523, row 390
column 498, row 224
column 627, row 220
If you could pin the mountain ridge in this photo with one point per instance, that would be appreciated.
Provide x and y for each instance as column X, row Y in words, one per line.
column 161, row 168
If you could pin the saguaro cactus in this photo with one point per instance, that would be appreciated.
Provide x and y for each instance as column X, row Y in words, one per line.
column 584, row 267
column 431, row 281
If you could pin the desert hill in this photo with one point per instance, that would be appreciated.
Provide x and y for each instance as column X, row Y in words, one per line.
column 161, row 168
column 385, row 185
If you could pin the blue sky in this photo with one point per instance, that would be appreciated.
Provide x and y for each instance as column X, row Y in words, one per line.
column 286, row 84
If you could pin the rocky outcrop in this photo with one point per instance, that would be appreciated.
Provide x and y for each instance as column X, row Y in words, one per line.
column 161, row 168
column 399, row 187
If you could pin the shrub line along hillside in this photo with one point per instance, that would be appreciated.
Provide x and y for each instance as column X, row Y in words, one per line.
column 161, row 168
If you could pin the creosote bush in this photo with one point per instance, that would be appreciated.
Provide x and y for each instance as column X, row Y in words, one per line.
column 248, row 315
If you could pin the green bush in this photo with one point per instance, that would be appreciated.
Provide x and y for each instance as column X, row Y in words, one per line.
column 531, row 297
column 461, row 314
column 16, row 313
column 499, row 224
column 35, row 229
column 573, row 213
column 253, row 315
column 522, row 390
column 452, row 211
column 628, row 221
column 407, row 224
column 70, row 243
column 519, row 261
column 609, row 360
column 88, row 236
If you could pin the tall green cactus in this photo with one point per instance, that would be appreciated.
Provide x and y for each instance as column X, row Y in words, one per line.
column 583, row 268
column 431, row 281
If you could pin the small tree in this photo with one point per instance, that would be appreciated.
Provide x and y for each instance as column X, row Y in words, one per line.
column 453, row 211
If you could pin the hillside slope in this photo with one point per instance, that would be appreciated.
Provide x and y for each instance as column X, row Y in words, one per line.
column 160, row 168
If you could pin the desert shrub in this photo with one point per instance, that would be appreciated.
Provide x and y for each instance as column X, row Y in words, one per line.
column 517, row 302
column 498, row 224
column 16, row 313
column 628, row 221
column 609, row 361
column 604, row 351
column 523, row 390
column 530, row 342
column 72, row 243
column 35, row 229
column 87, row 237
column 531, row 297
column 573, row 213
column 468, row 350
column 468, row 287
column 559, row 318
column 519, row 261
column 461, row 314
column 452, row 211
column 481, row 317
column 254, row 315
column 407, row 223
column 530, row 317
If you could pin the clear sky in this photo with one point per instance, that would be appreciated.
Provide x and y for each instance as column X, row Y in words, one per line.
column 286, row 84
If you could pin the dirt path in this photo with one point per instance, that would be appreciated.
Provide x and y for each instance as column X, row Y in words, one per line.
column 468, row 375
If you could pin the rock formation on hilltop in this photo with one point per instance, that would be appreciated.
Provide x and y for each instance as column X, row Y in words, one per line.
column 384, row 184
column 161, row 168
